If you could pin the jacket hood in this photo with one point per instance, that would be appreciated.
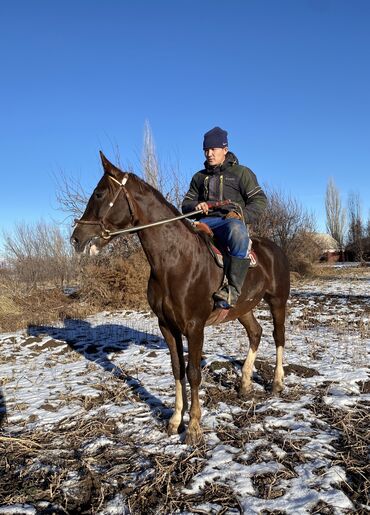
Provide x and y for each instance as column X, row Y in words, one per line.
column 230, row 160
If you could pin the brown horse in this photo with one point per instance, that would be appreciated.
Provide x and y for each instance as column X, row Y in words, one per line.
column 183, row 277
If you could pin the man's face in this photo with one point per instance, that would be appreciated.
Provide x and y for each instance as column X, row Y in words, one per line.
column 215, row 156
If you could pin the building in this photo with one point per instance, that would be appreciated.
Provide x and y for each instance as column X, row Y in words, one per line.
column 329, row 248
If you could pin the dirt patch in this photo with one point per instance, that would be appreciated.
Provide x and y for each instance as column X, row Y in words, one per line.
column 266, row 370
column 322, row 508
column 364, row 386
column 223, row 499
column 222, row 373
column 213, row 396
column 300, row 371
column 267, row 485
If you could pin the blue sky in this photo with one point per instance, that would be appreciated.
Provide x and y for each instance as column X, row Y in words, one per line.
column 288, row 79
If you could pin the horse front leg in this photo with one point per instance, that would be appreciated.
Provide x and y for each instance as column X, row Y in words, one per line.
column 174, row 342
column 194, row 434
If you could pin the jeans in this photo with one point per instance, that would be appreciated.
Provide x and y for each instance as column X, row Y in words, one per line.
column 230, row 233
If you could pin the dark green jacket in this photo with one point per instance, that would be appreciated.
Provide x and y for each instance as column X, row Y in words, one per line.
column 230, row 181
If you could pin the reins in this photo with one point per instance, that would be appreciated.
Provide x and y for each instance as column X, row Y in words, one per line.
column 106, row 234
column 146, row 226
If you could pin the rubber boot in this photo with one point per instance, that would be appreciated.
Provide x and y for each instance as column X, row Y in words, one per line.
column 236, row 271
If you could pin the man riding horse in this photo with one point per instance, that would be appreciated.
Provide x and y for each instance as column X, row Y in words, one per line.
column 225, row 179
column 123, row 202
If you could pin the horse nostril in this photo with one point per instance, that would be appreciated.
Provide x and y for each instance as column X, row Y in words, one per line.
column 74, row 241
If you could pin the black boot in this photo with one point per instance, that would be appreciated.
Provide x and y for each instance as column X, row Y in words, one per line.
column 236, row 270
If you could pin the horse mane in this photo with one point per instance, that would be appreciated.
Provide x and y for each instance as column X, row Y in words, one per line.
column 146, row 187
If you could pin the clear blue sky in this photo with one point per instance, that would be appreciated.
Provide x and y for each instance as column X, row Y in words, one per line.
column 288, row 79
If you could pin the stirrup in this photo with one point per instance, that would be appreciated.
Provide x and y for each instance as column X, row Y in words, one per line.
column 222, row 293
column 226, row 297
column 222, row 297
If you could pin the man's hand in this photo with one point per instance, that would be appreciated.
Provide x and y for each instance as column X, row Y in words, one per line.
column 203, row 206
column 233, row 214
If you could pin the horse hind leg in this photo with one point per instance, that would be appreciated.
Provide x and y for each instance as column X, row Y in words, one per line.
column 254, row 331
column 174, row 342
column 278, row 312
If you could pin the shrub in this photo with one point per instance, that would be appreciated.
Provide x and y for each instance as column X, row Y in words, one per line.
column 114, row 282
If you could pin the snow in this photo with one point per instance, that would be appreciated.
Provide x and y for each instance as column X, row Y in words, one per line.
column 17, row 509
column 119, row 365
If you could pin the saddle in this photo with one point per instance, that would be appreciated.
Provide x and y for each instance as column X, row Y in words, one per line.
column 203, row 228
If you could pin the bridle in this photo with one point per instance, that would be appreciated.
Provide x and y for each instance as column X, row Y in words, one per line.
column 106, row 234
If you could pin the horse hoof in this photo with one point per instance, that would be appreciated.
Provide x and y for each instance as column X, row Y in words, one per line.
column 194, row 435
column 172, row 429
column 175, row 429
column 194, row 440
column 246, row 393
column 277, row 388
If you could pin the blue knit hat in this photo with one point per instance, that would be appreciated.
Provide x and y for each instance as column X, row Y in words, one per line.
column 215, row 138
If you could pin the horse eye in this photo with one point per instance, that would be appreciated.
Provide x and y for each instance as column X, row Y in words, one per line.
column 99, row 194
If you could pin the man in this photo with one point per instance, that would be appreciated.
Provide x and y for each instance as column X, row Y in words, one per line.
column 224, row 179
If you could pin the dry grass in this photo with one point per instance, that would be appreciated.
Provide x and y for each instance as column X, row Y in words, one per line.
column 39, row 307
column 61, row 467
column 325, row 272
column 352, row 426
column 116, row 283
column 328, row 272
column 109, row 284
column 352, row 448
column 113, row 283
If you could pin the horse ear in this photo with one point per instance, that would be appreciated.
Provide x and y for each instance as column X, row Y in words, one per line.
column 109, row 167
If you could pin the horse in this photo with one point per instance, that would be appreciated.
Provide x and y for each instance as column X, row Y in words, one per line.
column 183, row 278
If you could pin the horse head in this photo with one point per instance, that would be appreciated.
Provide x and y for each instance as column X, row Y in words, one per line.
column 107, row 210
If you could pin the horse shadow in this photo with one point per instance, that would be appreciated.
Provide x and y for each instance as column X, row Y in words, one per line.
column 96, row 343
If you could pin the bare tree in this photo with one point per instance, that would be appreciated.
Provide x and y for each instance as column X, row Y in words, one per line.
column 335, row 214
column 70, row 195
column 165, row 178
column 174, row 186
column 286, row 223
column 283, row 220
column 38, row 254
column 355, row 226
column 149, row 162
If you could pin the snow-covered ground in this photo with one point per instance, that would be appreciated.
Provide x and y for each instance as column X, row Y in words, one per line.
column 86, row 404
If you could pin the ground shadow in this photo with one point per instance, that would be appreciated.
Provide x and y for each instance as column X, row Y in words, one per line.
column 2, row 408
column 319, row 294
column 96, row 343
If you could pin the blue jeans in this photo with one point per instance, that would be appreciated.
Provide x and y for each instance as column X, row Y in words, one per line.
column 231, row 233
